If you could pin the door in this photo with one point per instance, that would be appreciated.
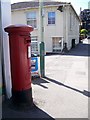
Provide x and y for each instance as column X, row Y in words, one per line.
column 73, row 43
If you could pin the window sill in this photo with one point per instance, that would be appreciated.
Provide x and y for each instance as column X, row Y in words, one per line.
column 35, row 28
column 51, row 24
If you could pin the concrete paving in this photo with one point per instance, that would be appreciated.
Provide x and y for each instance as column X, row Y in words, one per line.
column 63, row 93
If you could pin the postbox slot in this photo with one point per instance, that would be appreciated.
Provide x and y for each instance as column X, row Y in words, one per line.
column 27, row 41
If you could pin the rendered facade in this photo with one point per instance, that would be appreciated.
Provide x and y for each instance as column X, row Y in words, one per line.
column 61, row 24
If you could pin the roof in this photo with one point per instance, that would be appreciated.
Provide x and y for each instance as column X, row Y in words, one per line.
column 31, row 4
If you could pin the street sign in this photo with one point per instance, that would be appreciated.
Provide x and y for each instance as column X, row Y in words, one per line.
column 34, row 66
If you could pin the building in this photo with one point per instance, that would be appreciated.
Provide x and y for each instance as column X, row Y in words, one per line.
column 61, row 24
column 85, row 19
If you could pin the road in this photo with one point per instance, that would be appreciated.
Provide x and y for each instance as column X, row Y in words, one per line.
column 66, row 84
column 63, row 93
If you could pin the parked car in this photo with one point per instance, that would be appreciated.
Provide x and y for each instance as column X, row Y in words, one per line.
column 88, row 37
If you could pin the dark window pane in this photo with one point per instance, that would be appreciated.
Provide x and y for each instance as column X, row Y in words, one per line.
column 51, row 17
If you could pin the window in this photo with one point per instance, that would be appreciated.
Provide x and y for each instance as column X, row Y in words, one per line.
column 51, row 17
column 34, row 44
column 56, row 42
column 31, row 19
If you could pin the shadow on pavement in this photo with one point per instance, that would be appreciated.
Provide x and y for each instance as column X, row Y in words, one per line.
column 80, row 50
column 42, row 80
column 86, row 93
column 33, row 113
column 39, row 81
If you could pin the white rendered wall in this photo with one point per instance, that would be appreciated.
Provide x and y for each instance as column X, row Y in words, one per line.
column 0, row 50
column 60, row 29
column 74, row 32
column 5, row 20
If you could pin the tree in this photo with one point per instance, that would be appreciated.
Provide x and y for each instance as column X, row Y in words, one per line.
column 84, row 32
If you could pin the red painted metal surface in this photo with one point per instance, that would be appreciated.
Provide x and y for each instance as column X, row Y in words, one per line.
column 20, row 43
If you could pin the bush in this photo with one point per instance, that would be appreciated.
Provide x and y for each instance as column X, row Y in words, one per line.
column 84, row 31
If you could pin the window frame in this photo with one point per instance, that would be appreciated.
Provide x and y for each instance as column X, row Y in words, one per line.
column 34, row 42
column 56, row 44
column 32, row 18
column 51, row 17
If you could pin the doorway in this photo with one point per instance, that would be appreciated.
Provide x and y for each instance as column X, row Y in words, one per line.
column 73, row 43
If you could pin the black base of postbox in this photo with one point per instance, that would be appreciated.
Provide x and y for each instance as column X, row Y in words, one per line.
column 22, row 99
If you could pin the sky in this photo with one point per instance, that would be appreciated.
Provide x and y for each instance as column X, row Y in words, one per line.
column 76, row 3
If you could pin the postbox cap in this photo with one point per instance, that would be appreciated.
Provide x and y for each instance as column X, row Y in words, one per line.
column 19, row 28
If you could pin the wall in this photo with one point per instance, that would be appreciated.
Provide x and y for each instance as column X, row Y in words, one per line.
column 49, row 30
column 18, row 17
column 60, row 29
column 0, row 52
column 55, row 30
column 4, row 22
column 73, row 31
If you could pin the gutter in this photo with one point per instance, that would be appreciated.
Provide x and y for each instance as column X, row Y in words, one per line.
column 18, row 9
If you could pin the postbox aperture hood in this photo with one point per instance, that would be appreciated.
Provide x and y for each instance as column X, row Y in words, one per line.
column 19, row 27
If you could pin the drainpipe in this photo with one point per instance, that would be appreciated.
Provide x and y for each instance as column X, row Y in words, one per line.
column 64, row 27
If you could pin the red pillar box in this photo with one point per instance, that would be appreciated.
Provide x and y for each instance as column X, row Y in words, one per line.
column 20, row 55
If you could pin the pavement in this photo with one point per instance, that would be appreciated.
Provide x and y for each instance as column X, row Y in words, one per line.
column 63, row 93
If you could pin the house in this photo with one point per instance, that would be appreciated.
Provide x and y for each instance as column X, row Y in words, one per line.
column 61, row 24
